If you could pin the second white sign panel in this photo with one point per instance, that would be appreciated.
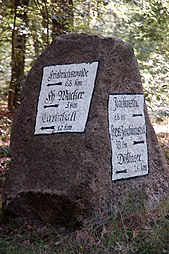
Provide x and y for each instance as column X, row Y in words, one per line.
column 127, row 129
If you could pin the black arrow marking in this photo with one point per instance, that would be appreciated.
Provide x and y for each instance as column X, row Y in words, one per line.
column 48, row 128
column 121, row 171
column 138, row 142
column 55, row 84
column 134, row 115
column 51, row 106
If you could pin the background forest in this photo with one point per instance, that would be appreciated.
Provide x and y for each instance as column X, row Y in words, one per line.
column 27, row 27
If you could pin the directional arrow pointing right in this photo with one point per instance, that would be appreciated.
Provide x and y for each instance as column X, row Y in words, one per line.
column 134, row 115
column 138, row 142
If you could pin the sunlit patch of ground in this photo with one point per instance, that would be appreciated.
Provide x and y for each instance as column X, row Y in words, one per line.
column 161, row 127
column 162, row 131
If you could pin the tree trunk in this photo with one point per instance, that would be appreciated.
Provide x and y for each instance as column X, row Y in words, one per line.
column 46, row 21
column 17, row 73
column 18, row 59
column 62, row 20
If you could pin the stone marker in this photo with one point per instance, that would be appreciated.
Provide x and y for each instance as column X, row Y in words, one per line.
column 82, row 143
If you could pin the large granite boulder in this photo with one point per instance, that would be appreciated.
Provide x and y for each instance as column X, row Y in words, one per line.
column 63, row 175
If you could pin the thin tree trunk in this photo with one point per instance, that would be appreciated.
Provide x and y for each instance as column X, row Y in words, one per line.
column 18, row 68
column 62, row 20
column 45, row 23
column 88, row 12
column 12, row 83
column 17, row 61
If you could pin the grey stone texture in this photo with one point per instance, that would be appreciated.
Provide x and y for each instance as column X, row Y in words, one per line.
column 66, row 178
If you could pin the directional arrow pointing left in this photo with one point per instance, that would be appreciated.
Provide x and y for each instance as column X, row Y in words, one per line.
column 55, row 84
column 48, row 128
column 121, row 171
column 51, row 106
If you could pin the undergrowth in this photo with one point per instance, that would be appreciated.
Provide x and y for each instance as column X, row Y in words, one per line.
column 120, row 234
column 133, row 232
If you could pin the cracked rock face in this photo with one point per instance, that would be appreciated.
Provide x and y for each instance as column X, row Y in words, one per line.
column 65, row 177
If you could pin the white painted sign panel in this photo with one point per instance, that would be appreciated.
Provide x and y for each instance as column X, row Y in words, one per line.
column 127, row 129
column 65, row 98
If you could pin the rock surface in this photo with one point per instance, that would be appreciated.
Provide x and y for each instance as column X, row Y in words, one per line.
column 65, row 178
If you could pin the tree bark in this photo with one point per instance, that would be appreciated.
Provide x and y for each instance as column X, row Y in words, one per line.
column 18, row 58
column 62, row 21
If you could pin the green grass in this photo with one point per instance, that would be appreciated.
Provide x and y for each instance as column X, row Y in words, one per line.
column 116, row 235
column 131, row 231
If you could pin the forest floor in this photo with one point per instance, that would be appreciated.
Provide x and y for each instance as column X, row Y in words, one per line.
column 113, row 236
